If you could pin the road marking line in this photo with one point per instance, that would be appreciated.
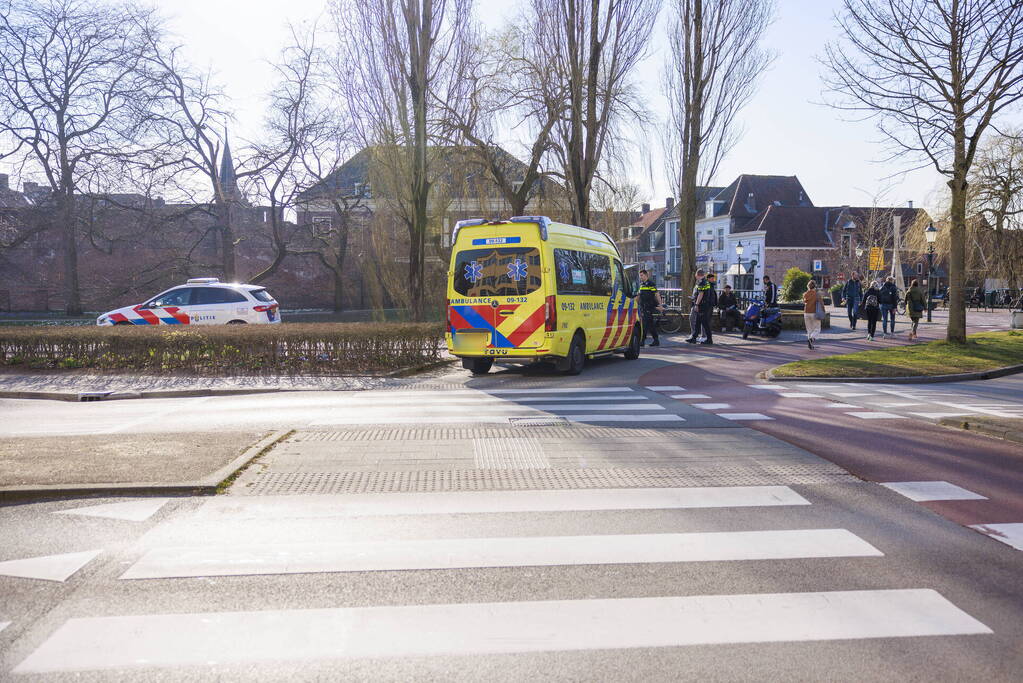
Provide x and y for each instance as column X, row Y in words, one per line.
column 132, row 511
column 799, row 394
column 530, row 399
column 744, row 416
column 842, row 405
column 482, row 399
column 624, row 418
column 685, row 396
column 772, row 387
column 4, row 624
column 921, row 491
column 668, row 388
column 1010, row 534
column 877, row 416
column 224, row 638
column 584, row 390
column 48, row 567
column 462, row 553
column 850, row 394
column 899, row 405
column 712, row 406
column 599, row 406
column 235, row 509
column 938, row 416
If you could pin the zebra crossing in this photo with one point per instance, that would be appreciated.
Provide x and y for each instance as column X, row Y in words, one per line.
column 351, row 538
column 501, row 406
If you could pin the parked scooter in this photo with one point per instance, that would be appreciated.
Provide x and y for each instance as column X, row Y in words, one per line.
column 761, row 320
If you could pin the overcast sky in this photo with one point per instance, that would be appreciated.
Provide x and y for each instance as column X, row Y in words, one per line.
column 787, row 132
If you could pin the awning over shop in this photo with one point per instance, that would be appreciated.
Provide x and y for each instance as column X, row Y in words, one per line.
column 737, row 269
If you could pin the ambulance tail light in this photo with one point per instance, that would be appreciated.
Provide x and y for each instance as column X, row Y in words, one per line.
column 550, row 314
column 447, row 314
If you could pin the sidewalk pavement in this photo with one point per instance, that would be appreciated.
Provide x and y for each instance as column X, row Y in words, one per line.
column 1008, row 428
column 33, row 468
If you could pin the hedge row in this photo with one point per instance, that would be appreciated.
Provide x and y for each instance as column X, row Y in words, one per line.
column 293, row 349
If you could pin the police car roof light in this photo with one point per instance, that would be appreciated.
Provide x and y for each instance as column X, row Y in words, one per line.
column 202, row 280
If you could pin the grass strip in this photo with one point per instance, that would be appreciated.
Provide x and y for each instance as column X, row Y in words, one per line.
column 983, row 351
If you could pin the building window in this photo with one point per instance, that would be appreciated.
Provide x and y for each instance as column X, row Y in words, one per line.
column 847, row 246
column 919, row 269
column 721, row 239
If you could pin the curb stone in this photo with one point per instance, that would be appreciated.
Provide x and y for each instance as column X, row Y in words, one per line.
column 207, row 486
column 920, row 379
column 982, row 428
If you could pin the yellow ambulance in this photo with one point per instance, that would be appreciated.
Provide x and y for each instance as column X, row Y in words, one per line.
column 528, row 289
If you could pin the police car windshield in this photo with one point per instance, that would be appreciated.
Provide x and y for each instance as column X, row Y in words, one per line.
column 497, row 271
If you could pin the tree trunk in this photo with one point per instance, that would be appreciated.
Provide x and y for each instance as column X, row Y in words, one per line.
column 72, row 293
column 956, row 332
column 340, row 256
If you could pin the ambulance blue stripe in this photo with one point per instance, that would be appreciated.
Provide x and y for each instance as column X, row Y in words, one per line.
column 476, row 320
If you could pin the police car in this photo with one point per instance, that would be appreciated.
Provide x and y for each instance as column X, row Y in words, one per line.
column 200, row 301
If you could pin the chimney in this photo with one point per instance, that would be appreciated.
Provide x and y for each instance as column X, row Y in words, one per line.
column 646, row 208
column 669, row 203
column 3, row 182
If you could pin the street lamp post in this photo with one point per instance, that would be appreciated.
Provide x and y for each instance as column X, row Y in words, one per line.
column 931, row 233
column 739, row 249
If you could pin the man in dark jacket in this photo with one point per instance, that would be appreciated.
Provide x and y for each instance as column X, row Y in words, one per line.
column 729, row 310
column 889, row 300
column 699, row 316
column 649, row 303
column 770, row 293
column 853, row 295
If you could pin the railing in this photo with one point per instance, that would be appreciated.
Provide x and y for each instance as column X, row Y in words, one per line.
column 674, row 298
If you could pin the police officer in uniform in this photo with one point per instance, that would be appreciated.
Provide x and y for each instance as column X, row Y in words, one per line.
column 649, row 302
column 699, row 316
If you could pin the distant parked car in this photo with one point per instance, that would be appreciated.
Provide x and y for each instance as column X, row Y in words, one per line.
column 200, row 301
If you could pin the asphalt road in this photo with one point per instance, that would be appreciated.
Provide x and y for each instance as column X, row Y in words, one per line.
column 526, row 526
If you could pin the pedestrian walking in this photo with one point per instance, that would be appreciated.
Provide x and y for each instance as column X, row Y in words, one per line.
column 852, row 292
column 649, row 303
column 728, row 310
column 813, row 312
column 699, row 315
column 889, row 300
column 916, row 304
column 871, row 308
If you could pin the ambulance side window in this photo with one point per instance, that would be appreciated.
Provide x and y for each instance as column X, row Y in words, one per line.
column 570, row 269
column 600, row 275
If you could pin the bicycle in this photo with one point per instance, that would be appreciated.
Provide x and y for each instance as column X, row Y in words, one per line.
column 668, row 321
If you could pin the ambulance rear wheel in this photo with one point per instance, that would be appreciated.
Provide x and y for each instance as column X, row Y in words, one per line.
column 632, row 350
column 576, row 358
column 480, row 366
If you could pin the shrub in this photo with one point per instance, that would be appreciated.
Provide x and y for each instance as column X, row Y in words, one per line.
column 293, row 349
column 794, row 284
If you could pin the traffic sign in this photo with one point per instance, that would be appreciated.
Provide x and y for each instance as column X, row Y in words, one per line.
column 876, row 258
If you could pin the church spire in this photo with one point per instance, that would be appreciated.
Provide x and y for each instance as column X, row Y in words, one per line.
column 228, row 180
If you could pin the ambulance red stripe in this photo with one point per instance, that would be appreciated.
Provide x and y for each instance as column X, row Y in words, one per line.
column 528, row 327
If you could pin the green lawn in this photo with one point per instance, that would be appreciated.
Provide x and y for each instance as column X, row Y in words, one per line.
column 985, row 351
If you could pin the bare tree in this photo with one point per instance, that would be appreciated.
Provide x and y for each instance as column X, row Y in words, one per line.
column 587, row 52
column 72, row 97
column 398, row 60
column 996, row 194
column 716, row 60
column 936, row 75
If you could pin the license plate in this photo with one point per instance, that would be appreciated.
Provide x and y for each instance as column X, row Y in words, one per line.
column 474, row 342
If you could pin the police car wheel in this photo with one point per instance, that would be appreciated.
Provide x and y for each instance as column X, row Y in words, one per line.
column 237, row 322
column 576, row 356
column 632, row 350
column 123, row 322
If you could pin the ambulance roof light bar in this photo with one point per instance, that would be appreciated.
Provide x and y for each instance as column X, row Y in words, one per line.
column 541, row 222
column 465, row 224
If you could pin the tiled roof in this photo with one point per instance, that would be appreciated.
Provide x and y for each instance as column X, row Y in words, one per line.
column 702, row 195
column 647, row 219
column 791, row 226
column 766, row 190
column 12, row 199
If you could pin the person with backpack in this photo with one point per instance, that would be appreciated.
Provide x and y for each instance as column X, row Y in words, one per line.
column 916, row 304
column 852, row 292
column 889, row 300
column 871, row 309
